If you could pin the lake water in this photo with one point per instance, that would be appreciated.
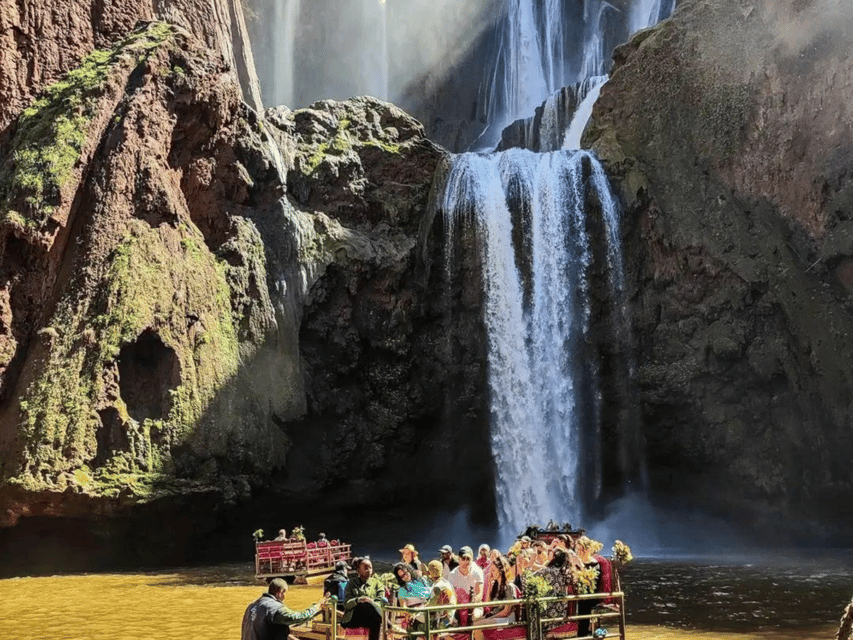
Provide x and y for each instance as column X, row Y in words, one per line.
column 667, row 600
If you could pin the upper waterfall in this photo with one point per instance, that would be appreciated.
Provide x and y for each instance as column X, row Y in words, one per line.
column 466, row 70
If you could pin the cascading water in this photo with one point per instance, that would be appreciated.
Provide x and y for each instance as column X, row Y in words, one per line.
column 537, row 319
column 545, row 399
column 647, row 13
column 583, row 112
column 286, row 14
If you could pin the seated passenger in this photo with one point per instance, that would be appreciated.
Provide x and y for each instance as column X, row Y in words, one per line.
column 523, row 562
column 558, row 575
column 363, row 598
column 483, row 560
column 442, row 594
column 412, row 592
column 503, row 589
column 585, row 549
column 336, row 583
column 490, row 573
column 282, row 535
column 410, row 557
column 321, row 541
column 467, row 580
column 540, row 557
column 448, row 560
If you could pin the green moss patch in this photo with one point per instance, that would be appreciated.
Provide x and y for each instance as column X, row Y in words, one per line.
column 155, row 281
column 51, row 133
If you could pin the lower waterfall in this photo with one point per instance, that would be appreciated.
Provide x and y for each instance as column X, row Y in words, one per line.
column 529, row 213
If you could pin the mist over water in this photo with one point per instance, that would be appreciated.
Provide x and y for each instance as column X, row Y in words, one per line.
column 518, row 51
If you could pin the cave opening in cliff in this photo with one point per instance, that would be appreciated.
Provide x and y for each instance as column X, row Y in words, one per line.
column 148, row 371
column 111, row 436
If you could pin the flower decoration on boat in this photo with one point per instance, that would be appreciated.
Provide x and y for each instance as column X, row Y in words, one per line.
column 586, row 579
column 535, row 587
column 299, row 532
column 514, row 550
column 622, row 552
column 595, row 546
column 258, row 535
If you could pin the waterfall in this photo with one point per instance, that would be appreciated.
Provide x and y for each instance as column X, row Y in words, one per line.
column 324, row 50
column 593, row 49
column 647, row 13
column 583, row 112
column 529, row 213
column 286, row 18
column 380, row 84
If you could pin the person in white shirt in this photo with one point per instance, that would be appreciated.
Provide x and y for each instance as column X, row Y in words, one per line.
column 467, row 580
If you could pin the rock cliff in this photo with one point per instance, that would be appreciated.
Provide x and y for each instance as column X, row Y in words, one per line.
column 200, row 301
column 728, row 129
column 40, row 41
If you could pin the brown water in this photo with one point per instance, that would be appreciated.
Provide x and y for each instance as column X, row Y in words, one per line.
column 666, row 601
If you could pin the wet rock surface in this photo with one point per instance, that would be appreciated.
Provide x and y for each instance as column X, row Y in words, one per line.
column 729, row 135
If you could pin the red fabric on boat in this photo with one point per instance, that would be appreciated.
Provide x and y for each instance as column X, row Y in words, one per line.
column 606, row 568
column 357, row 633
column 462, row 597
column 505, row 634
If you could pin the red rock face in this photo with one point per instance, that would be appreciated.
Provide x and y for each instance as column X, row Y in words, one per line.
column 181, row 320
column 121, row 248
column 39, row 41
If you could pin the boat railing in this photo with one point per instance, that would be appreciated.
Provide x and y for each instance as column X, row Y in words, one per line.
column 534, row 625
column 288, row 557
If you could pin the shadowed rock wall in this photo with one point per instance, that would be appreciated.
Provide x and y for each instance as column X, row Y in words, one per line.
column 728, row 128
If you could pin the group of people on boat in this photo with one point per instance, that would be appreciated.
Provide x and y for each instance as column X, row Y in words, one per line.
column 568, row 564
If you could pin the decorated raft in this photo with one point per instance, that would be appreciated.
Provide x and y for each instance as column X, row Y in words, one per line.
column 608, row 621
column 297, row 560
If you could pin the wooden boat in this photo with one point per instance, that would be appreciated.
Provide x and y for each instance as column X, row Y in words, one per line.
column 531, row 625
column 297, row 559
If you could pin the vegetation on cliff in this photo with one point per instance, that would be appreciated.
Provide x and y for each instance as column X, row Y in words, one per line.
column 150, row 309
column 51, row 134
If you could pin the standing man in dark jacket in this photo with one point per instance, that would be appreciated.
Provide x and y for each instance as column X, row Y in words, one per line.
column 267, row 618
